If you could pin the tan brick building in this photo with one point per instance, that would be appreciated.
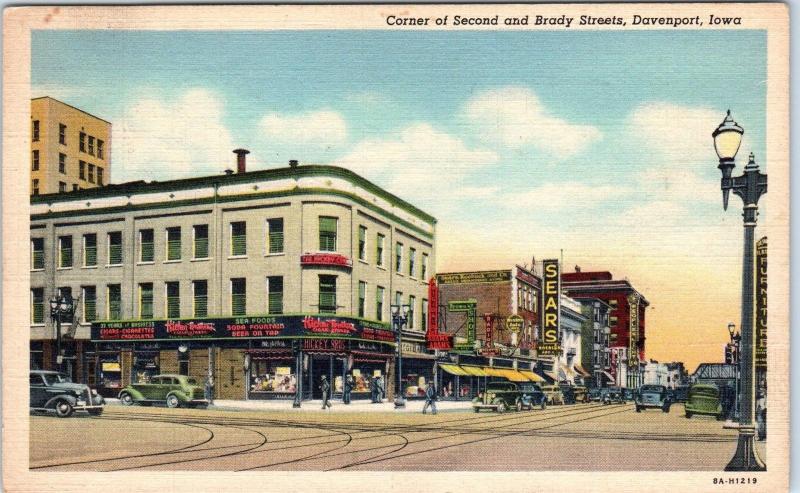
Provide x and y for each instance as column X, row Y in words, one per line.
column 70, row 148
column 277, row 276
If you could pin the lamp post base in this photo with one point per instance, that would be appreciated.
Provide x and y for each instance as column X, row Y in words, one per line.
column 746, row 458
column 296, row 405
column 399, row 402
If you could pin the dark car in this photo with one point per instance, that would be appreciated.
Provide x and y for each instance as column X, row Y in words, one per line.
column 532, row 395
column 652, row 396
column 613, row 395
column 574, row 393
column 628, row 394
column 679, row 394
column 173, row 390
column 595, row 394
column 500, row 397
column 52, row 391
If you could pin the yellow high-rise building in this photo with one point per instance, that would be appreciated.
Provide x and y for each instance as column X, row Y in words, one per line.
column 70, row 148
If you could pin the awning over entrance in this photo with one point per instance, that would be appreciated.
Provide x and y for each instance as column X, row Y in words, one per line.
column 494, row 372
column 514, row 375
column 550, row 375
column 609, row 377
column 531, row 376
column 474, row 371
column 581, row 371
column 453, row 370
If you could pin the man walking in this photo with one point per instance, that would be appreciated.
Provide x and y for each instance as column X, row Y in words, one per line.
column 374, row 390
column 348, row 388
column 209, row 389
column 325, row 387
column 761, row 416
column 430, row 399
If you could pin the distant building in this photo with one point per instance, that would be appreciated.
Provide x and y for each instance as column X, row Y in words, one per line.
column 656, row 373
column 595, row 351
column 626, row 319
column 70, row 148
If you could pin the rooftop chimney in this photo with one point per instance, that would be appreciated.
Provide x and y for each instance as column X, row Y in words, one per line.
column 241, row 159
column 228, row 171
column 293, row 163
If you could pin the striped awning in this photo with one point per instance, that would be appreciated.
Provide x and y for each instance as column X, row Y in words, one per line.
column 453, row 369
column 514, row 375
column 551, row 376
column 581, row 371
column 474, row 371
column 494, row 372
column 609, row 377
column 531, row 376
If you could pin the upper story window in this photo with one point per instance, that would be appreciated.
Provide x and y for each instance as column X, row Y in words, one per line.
column 200, row 241
column 275, row 295
column 424, row 315
column 35, row 160
column 380, row 294
column 89, row 250
column 327, row 233
column 238, row 296
column 82, row 170
column 200, row 298
column 65, row 251
column 89, row 303
column 100, row 149
column 35, row 131
column 37, row 305
column 146, row 300
column 146, row 248
column 37, row 253
column 412, row 303
column 275, row 235
column 115, row 248
column 114, row 301
column 398, row 257
column 62, row 134
column 327, row 294
column 100, row 176
column 82, row 141
column 62, row 186
column 412, row 261
column 362, row 298
column 91, row 145
column 379, row 243
column 173, row 299
column 362, row 243
column 35, row 186
column 91, row 173
column 62, row 163
column 424, row 274
column 238, row 239
column 174, row 243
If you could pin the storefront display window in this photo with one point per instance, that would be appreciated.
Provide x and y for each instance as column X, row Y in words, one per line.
column 272, row 376
column 145, row 366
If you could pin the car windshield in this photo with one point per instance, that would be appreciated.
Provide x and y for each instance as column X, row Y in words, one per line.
column 53, row 378
column 191, row 381
column 704, row 391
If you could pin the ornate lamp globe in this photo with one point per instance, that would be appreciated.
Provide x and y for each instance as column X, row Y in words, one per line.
column 727, row 139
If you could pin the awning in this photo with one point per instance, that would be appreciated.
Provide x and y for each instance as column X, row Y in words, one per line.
column 494, row 372
column 551, row 376
column 531, row 376
column 514, row 375
column 453, row 369
column 474, row 371
column 581, row 371
column 609, row 377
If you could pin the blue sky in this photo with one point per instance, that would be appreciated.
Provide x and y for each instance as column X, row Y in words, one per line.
column 520, row 143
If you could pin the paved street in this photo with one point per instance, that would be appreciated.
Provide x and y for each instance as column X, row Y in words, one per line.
column 577, row 437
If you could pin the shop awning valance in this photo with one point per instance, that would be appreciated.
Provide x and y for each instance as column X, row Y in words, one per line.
column 609, row 377
column 531, row 376
column 493, row 372
column 550, row 375
column 512, row 375
column 474, row 371
column 453, row 370
column 581, row 371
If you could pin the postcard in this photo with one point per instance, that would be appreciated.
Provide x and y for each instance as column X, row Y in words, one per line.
column 437, row 247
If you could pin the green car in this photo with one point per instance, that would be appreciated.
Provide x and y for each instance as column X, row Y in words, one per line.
column 173, row 390
column 704, row 399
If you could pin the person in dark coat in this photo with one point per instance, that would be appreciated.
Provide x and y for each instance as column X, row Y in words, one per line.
column 430, row 399
column 348, row 388
column 373, row 390
column 761, row 416
column 325, row 387
column 381, row 390
column 209, row 389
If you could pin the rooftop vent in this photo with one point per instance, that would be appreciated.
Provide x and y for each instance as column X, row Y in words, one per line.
column 241, row 159
column 293, row 163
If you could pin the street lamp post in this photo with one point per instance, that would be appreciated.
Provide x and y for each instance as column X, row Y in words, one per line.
column 60, row 307
column 749, row 186
column 399, row 319
column 735, row 348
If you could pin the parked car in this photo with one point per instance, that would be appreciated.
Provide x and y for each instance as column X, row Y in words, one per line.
column 680, row 394
column 574, row 393
column 613, row 395
column 532, row 395
column 653, row 396
column 704, row 399
column 173, row 390
column 595, row 394
column 628, row 394
column 553, row 394
column 52, row 391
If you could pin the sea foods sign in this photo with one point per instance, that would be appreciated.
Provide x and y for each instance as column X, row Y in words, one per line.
column 241, row 327
column 551, row 322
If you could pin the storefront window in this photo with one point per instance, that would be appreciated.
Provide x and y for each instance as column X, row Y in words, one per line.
column 272, row 376
column 145, row 366
column 110, row 372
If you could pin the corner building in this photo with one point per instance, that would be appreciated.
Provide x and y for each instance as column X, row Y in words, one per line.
column 266, row 280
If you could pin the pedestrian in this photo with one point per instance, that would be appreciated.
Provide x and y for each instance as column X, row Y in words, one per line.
column 209, row 389
column 761, row 416
column 430, row 399
column 381, row 390
column 325, row 387
column 375, row 390
column 348, row 388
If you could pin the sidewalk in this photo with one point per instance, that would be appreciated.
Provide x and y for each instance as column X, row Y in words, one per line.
column 360, row 406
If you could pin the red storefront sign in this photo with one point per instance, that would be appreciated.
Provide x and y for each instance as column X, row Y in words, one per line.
column 325, row 259
column 433, row 338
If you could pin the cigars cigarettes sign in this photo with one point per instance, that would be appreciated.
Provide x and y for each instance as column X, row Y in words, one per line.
column 761, row 305
column 551, row 322
column 241, row 327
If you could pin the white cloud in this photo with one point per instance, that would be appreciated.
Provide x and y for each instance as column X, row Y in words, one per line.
column 564, row 195
column 162, row 138
column 324, row 128
column 419, row 162
column 515, row 117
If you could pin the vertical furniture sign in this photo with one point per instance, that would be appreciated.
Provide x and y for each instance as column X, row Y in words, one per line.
column 761, row 305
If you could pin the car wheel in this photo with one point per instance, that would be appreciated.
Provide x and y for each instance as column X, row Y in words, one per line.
column 173, row 401
column 665, row 409
column 720, row 417
column 126, row 399
column 96, row 412
column 544, row 404
column 688, row 415
column 477, row 410
column 64, row 409
column 519, row 406
column 638, row 409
